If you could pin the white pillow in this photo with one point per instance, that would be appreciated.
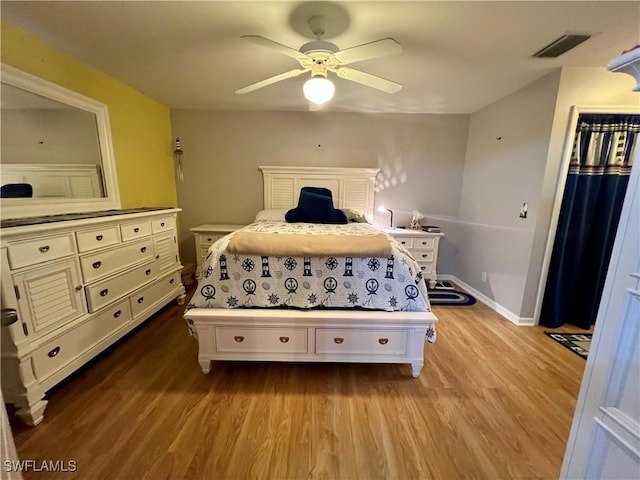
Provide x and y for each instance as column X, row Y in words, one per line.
column 271, row 214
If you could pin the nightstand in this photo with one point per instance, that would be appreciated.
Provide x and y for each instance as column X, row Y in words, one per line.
column 207, row 234
column 422, row 246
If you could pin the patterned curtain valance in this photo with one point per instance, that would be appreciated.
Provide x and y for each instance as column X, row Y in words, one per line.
column 604, row 144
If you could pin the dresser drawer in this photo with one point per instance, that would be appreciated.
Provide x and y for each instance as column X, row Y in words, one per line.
column 106, row 291
column 55, row 354
column 426, row 268
column 162, row 224
column 261, row 340
column 361, row 342
column 422, row 243
column 42, row 249
column 131, row 231
column 91, row 239
column 103, row 263
column 422, row 255
column 208, row 239
column 148, row 296
column 406, row 241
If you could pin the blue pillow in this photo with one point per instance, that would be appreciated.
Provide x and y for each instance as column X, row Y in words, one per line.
column 315, row 205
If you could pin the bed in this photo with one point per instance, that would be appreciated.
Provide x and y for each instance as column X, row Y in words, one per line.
column 364, row 305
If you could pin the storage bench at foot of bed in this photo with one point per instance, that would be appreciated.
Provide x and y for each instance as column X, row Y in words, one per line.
column 311, row 336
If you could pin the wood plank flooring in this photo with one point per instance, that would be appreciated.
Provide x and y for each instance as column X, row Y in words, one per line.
column 494, row 401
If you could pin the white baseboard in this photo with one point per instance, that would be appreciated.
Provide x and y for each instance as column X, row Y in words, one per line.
column 506, row 313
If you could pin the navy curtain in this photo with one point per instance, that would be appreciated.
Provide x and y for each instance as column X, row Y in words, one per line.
column 598, row 176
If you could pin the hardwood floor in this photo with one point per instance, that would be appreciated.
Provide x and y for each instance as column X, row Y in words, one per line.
column 494, row 401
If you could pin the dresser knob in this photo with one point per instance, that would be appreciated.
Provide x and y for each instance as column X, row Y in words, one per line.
column 209, row 239
column 172, row 281
column 338, row 340
column 117, row 314
column 97, row 264
column 54, row 352
column 143, row 249
column 239, row 338
column 383, row 341
column 147, row 271
column 162, row 224
column 99, row 237
column 104, row 292
column 44, row 249
column 78, row 288
column 141, row 299
column 284, row 339
column 136, row 230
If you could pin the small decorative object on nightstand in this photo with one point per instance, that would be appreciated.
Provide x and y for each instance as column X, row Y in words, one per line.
column 207, row 234
column 422, row 246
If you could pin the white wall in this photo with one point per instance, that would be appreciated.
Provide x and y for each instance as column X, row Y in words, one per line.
column 420, row 156
column 504, row 166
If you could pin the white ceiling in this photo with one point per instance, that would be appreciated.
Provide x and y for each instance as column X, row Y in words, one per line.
column 458, row 56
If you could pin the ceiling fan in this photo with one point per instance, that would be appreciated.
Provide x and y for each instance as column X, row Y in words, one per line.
column 320, row 57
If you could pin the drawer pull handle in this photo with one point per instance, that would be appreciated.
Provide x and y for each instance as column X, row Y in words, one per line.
column 117, row 314
column 136, row 230
column 425, row 255
column 239, row 338
column 172, row 281
column 284, row 339
column 141, row 299
column 338, row 340
column 44, row 249
column 147, row 271
column 424, row 243
column 403, row 242
column 97, row 264
column 209, row 239
column 99, row 237
column 104, row 292
column 383, row 341
column 162, row 224
column 54, row 352
column 78, row 288
column 157, row 257
column 143, row 249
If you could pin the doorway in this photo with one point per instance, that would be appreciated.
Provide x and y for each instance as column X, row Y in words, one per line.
column 598, row 162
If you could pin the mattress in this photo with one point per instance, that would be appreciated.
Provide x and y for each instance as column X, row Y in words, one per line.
column 234, row 280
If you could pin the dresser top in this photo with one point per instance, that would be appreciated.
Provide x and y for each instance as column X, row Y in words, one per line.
column 19, row 222
column 410, row 232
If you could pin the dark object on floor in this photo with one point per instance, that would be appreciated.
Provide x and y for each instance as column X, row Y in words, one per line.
column 444, row 285
column 576, row 342
column 16, row 190
column 450, row 297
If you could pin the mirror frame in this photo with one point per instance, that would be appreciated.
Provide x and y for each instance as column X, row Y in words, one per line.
column 28, row 207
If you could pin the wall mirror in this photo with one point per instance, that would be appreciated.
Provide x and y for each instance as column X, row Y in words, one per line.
column 56, row 151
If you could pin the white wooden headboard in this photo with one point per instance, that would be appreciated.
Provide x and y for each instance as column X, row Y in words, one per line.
column 351, row 187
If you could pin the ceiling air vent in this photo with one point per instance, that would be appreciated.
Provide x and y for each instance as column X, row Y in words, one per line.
column 561, row 45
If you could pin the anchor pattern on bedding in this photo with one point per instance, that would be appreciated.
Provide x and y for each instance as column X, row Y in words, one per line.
column 231, row 280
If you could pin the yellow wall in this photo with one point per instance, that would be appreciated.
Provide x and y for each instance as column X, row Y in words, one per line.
column 140, row 126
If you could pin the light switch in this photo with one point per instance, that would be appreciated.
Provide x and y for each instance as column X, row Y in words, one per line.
column 523, row 210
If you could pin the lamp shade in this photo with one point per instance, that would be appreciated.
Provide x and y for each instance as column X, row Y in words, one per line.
column 318, row 90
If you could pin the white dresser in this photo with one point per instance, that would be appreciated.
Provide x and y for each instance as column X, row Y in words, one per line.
column 73, row 287
column 205, row 235
column 423, row 247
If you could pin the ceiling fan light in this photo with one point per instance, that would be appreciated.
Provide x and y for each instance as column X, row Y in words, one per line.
column 318, row 90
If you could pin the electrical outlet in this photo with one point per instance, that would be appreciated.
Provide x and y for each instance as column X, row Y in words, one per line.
column 484, row 276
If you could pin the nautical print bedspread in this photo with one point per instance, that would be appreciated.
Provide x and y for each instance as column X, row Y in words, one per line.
column 236, row 280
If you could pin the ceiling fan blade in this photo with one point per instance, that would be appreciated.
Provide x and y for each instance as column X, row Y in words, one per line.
column 368, row 79
column 270, row 80
column 379, row 48
column 265, row 42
